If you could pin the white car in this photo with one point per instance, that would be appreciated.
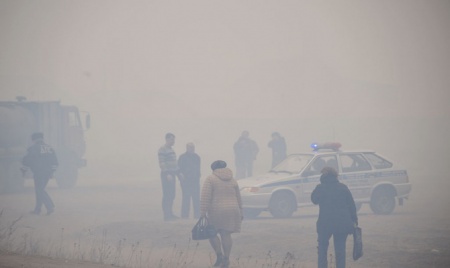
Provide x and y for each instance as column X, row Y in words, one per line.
column 370, row 177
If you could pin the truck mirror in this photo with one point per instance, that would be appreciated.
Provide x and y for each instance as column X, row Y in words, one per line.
column 88, row 121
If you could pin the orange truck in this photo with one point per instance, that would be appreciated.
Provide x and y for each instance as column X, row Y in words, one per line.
column 63, row 130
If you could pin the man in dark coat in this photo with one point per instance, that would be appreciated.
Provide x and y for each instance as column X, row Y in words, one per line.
column 42, row 161
column 189, row 164
column 245, row 151
column 278, row 145
column 337, row 216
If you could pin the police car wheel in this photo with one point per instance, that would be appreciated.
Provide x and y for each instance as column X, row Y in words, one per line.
column 382, row 202
column 282, row 205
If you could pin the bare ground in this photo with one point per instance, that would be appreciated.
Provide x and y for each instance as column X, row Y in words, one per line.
column 119, row 223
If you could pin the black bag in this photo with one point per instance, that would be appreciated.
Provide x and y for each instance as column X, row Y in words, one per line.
column 203, row 230
column 357, row 243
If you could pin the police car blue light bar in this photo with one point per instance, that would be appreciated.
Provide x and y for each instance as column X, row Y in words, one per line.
column 326, row 145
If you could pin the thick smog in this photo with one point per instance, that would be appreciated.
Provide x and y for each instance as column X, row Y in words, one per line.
column 127, row 94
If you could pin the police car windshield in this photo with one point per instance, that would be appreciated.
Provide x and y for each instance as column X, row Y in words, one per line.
column 293, row 164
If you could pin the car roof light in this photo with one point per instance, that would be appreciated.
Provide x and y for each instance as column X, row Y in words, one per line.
column 326, row 145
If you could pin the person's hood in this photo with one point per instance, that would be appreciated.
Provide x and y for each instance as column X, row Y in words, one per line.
column 224, row 174
column 328, row 179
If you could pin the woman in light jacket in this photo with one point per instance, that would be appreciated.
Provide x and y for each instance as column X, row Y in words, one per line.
column 221, row 204
column 337, row 216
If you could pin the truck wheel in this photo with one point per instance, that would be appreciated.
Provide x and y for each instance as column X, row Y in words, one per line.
column 67, row 177
column 282, row 205
column 251, row 213
column 383, row 202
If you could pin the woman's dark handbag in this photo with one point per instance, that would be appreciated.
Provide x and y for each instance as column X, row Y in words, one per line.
column 203, row 230
column 357, row 243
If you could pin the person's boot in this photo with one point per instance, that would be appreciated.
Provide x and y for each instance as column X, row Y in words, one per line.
column 218, row 260
column 50, row 211
column 225, row 262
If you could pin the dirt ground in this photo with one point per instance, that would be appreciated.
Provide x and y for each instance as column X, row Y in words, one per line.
column 119, row 223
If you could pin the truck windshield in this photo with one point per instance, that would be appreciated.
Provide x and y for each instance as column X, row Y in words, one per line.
column 293, row 164
column 74, row 119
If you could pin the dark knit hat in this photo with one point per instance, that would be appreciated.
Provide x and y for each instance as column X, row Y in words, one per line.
column 329, row 171
column 329, row 175
column 218, row 164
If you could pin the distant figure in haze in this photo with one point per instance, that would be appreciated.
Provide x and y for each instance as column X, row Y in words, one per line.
column 189, row 164
column 42, row 161
column 245, row 151
column 169, row 171
column 337, row 216
column 221, row 204
column 278, row 145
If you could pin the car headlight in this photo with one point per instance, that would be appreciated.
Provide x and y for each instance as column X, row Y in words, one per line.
column 251, row 189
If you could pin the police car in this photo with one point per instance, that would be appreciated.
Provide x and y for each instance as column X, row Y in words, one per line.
column 370, row 177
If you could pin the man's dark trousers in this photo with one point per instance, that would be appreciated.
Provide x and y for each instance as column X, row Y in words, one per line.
column 42, row 197
column 190, row 190
column 168, row 188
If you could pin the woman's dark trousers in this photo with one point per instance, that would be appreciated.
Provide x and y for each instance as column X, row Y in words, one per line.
column 339, row 249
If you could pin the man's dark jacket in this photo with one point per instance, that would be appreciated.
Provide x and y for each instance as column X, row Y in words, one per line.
column 189, row 164
column 41, row 159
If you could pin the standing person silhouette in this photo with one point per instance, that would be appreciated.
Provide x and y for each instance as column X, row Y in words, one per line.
column 245, row 151
column 278, row 146
column 189, row 164
column 337, row 216
column 169, row 171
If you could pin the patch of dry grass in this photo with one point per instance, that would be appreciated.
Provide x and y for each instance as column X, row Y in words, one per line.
column 99, row 249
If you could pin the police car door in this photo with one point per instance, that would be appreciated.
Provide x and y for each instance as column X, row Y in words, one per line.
column 311, row 176
column 355, row 174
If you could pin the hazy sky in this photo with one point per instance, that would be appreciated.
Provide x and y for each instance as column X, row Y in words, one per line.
column 371, row 74
column 142, row 68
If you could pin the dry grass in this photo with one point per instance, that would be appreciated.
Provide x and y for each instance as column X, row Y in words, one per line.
column 94, row 248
